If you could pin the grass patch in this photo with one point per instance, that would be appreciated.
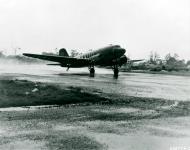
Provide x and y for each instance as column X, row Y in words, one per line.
column 25, row 93
column 56, row 140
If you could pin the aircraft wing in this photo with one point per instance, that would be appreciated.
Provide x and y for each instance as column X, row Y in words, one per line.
column 132, row 61
column 60, row 59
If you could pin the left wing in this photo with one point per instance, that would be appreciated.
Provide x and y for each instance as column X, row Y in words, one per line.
column 132, row 61
column 61, row 59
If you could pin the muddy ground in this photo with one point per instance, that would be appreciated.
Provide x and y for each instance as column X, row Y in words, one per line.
column 43, row 110
column 75, row 118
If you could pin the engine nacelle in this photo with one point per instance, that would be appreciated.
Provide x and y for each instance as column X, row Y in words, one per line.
column 122, row 60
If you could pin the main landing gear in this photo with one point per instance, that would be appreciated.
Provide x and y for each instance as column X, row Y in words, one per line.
column 115, row 71
column 92, row 70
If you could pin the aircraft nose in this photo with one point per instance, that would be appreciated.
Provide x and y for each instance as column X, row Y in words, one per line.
column 119, row 51
column 123, row 50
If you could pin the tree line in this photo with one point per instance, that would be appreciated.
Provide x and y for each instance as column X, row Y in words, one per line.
column 171, row 62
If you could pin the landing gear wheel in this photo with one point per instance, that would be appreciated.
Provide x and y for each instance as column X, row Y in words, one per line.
column 92, row 70
column 115, row 71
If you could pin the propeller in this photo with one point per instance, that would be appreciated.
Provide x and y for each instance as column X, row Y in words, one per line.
column 119, row 61
column 122, row 60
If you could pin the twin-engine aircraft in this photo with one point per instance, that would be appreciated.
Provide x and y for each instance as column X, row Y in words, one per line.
column 112, row 55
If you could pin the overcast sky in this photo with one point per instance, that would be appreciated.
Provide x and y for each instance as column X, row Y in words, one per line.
column 140, row 26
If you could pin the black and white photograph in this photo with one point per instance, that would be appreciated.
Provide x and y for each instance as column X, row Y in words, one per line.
column 94, row 74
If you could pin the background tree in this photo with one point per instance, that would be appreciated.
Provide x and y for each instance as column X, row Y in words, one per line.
column 188, row 63
column 154, row 58
column 174, row 63
column 74, row 53
column 1, row 54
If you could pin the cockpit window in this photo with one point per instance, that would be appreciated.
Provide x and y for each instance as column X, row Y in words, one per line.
column 117, row 46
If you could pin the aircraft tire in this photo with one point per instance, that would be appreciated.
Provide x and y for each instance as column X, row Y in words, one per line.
column 92, row 72
column 116, row 72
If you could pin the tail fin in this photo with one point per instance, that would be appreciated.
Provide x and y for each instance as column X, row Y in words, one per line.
column 63, row 52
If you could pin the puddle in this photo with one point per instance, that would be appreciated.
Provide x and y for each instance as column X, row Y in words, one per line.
column 64, row 127
column 13, row 109
column 9, row 109
column 117, row 110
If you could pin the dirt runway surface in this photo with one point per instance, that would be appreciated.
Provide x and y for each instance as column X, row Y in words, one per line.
column 134, row 84
column 145, row 125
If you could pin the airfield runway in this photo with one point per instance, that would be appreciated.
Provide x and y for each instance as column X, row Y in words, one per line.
column 134, row 84
column 145, row 125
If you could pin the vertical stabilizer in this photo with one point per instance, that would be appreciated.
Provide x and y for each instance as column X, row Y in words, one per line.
column 63, row 52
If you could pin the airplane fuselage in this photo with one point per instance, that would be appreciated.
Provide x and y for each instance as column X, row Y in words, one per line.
column 112, row 55
column 103, row 56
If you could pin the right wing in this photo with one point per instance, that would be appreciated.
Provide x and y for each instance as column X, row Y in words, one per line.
column 132, row 61
column 61, row 59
